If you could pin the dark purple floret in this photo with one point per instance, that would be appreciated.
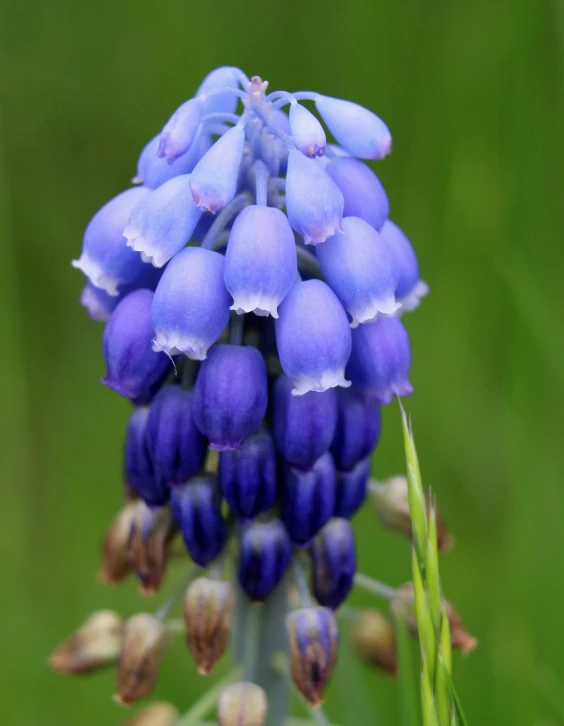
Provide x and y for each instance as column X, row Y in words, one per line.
column 139, row 470
column 352, row 487
column 333, row 557
column 265, row 556
column 359, row 425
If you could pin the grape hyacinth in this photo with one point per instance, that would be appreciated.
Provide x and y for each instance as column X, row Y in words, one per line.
column 256, row 361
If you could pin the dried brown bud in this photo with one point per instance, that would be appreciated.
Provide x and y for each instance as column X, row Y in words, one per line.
column 314, row 646
column 150, row 536
column 392, row 507
column 95, row 644
column 374, row 638
column 404, row 605
column 157, row 714
column 208, row 612
column 115, row 559
column 242, row 704
column 145, row 643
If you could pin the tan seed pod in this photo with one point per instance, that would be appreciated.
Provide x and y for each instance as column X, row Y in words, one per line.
column 242, row 704
column 373, row 637
column 157, row 714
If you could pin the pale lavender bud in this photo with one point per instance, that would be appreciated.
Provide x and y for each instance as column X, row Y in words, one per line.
column 363, row 192
column 214, row 179
column 307, row 132
column 180, row 130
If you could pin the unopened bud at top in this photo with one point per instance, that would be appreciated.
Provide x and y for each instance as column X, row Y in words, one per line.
column 242, row 704
column 314, row 640
column 308, row 133
column 157, row 714
column 145, row 643
column 180, row 130
column 373, row 637
column 208, row 612
column 95, row 644
column 392, row 506
column 214, row 179
column 403, row 605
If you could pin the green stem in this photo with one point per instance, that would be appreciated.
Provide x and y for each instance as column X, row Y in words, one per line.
column 204, row 705
column 375, row 586
column 177, row 594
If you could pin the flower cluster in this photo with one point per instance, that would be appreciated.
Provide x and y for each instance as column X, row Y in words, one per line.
column 253, row 288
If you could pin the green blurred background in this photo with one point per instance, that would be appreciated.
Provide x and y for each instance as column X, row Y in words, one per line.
column 472, row 90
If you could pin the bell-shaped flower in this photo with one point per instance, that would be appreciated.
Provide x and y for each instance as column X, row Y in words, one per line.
column 313, row 200
column 153, row 171
column 223, row 77
column 176, row 444
column 308, row 500
column 247, row 476
column 180, row 130
column 106, row 260
column 364, row 195
column 358, row 429
column 191, row 304
column 230, row 395
column 214, row 179
column 260, row 262
column 410, row 287
column 380, row 360
column 196, row 508
column 133, row 367
column 356, row 129
column 314, row 645
column 139, row 469
column 303, row 426
column 162, row 223
column 333, row 563
column 313, row 338
column 361, row 270
column 264, row 557
column 351, row 489
column 307, row 132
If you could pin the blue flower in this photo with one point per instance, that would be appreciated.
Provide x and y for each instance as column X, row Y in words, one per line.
column 225, row 77
column 191, row 305
column 214, row 179
column 333, row 563
column 133, row 367
column 361, row 270
column 260, row 261
column 313, row 201
column 306, row 130
column 356, row 129
column 313, row 338
column 139, row 469
column 351, row 489
column 248, row 476
column 410, row 288
column 308, row 500
column 303, row 426
column 264, row 557
column 153, row 171
column 230, row 395
column 180, row 130
column 106, row 260
column 196, row 508
column 380, row 360
column 358, row 428
column 364, row 195
column 162, row 223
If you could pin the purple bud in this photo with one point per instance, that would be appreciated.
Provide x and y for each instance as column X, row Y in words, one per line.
column 214, row 179
column 191, row 305
column 106, row 260
column 352, row 487
column 308, row 133
column 260, row 262
column 313, row 338
column 162, row 223
column 180, row 130
column 364, row 195
column 265, row 556
column 313, row 200
column 308, row 500
column 356, row 129
column 152, row 171
column 410, row 288
column 303, row 426
column 223, row 77
column 361, row 270
column 333, row 563
column 196, row 508
column 139, row 470
column 359, row 425
column 380, row 360
column 230, row 395
column 176, row 444
column 247, row 476
column 133, row 367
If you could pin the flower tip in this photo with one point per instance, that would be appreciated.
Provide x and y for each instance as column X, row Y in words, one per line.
column 116, row 698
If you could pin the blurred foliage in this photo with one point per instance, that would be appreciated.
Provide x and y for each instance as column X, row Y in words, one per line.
column 472, row 90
